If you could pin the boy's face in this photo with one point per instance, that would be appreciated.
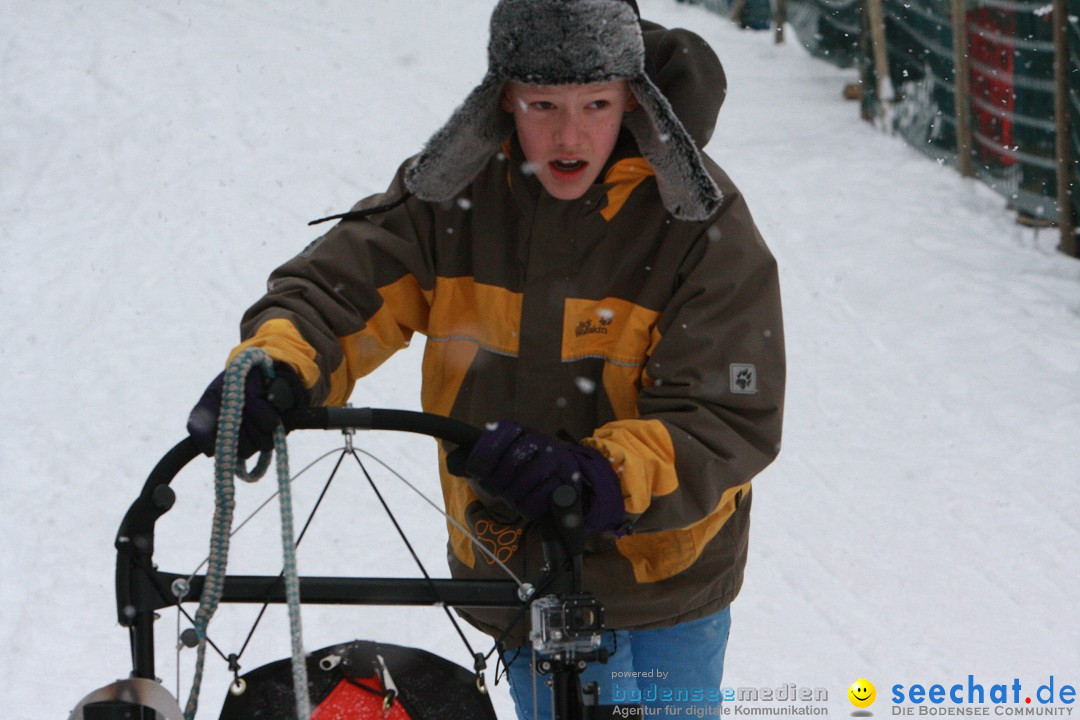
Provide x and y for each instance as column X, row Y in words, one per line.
column 568, row 131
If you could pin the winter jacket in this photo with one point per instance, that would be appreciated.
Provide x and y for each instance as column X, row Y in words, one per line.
column 656, row 341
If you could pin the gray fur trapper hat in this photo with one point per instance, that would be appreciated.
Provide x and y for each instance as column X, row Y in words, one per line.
column 560, row 42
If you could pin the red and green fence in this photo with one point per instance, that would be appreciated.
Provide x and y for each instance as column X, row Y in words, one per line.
column 997, row 110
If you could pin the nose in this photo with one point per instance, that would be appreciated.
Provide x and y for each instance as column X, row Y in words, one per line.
column 568, row 130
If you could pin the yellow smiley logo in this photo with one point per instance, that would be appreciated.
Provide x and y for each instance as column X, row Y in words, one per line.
column 862, row 693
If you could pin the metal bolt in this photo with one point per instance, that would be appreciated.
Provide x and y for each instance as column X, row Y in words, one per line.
column 525, row 592
column 180, row 588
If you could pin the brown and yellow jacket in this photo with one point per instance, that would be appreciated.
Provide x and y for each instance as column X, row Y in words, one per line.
column 657, row 341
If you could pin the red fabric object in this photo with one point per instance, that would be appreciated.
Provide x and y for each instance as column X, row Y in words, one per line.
column 349, row 702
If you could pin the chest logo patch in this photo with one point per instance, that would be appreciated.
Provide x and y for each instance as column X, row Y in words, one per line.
column 610, row 328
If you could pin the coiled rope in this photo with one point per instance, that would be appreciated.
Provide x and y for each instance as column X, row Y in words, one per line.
column 226, row 466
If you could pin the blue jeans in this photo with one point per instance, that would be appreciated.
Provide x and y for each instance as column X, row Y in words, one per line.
column 680, row 667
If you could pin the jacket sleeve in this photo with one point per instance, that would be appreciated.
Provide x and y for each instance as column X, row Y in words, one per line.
column 711, row 401
column 350, row 299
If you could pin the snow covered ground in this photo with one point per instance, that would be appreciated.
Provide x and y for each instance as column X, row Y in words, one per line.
column 157, row 160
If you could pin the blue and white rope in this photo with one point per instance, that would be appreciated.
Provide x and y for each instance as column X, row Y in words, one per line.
column 226, row 466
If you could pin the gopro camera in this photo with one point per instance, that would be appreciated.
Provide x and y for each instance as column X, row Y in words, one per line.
column 566, row 627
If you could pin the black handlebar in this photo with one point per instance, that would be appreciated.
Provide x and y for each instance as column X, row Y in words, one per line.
column 157, row 498
column 142, row 589
column 335, row 418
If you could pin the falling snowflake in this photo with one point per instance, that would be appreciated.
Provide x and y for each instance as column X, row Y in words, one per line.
column 585, row 385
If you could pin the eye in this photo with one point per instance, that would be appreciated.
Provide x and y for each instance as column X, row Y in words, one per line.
column 542, row 105
column 600, row 104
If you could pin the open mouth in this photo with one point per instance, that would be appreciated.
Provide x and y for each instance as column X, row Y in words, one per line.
column 568, row 166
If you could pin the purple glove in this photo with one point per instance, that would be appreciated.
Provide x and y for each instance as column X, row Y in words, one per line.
column 524, row 467
column 263, row 400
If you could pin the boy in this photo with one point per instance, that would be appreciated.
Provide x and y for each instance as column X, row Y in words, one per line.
column 580, row 270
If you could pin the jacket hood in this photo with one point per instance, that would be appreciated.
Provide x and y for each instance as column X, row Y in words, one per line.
column 689, row 74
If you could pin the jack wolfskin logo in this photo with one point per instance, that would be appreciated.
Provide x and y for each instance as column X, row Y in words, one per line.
column 586, row 327
column 502, row 540
column 743, row 378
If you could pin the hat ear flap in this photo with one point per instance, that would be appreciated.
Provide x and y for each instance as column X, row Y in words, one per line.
column 458, row 151
column 687, row 189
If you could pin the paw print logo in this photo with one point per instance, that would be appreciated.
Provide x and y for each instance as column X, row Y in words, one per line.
column 743, row 379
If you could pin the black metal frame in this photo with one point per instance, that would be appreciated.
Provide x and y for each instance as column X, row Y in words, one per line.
column 142, row 589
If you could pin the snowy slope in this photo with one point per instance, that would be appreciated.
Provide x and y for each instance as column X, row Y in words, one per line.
column 158, row 160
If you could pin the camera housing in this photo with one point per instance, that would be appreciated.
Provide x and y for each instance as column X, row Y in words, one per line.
column 567, row 627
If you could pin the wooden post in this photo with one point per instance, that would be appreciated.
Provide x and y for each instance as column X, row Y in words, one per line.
column 737, row 9
column 1062, row 136
column 962, row 93
column 781, row 18
column 875, row 17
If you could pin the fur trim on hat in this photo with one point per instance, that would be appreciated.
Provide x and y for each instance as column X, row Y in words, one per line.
column 561, row 42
